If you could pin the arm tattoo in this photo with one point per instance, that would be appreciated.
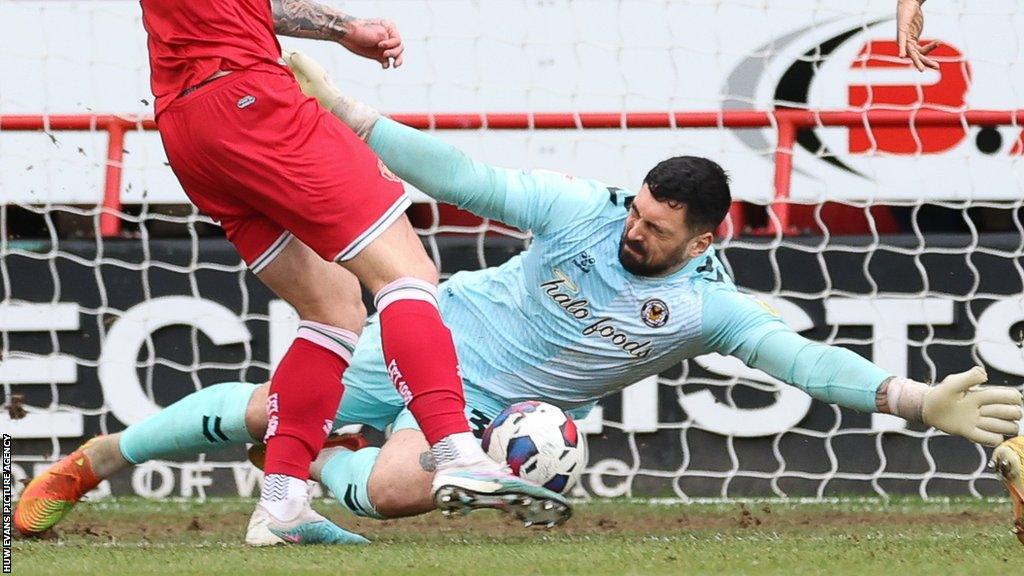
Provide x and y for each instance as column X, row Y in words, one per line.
column 309, row 19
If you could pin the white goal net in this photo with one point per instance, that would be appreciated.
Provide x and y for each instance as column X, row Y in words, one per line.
column 878, row 208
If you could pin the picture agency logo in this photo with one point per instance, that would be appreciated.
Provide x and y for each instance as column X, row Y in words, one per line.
column 848, row 64
column 8, row 480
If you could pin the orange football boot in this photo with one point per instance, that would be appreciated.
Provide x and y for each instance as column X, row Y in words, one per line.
column 1008, row 460
column 52, row 494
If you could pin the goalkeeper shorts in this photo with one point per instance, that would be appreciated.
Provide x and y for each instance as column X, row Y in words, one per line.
column 269, row 164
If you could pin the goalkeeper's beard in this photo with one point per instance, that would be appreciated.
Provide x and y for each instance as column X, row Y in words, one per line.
column 634, row 258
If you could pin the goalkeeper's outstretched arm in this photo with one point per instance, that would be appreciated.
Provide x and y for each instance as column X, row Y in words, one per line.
column 536, row 200
column 737, row 325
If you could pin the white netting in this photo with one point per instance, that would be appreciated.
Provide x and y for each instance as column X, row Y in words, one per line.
column 903, row 242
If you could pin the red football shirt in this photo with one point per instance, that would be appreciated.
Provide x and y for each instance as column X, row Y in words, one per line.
column 190, row 40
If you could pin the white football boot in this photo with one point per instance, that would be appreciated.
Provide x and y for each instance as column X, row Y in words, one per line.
column 462, row 485
column 308, row 527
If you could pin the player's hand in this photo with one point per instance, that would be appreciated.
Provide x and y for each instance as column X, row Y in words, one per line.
column 312, row 78
column 958, row 405
column 315, row 82
column 376, row 39
column 909, row 24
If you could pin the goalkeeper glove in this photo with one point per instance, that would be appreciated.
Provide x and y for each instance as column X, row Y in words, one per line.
column 314, row 82
column 958, row 406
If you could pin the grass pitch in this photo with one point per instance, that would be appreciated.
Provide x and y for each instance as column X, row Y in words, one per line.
column 857, row 537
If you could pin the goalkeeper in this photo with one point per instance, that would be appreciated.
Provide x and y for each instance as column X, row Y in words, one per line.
column 615, row 287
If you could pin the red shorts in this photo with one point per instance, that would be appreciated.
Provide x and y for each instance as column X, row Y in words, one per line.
column 266, row 161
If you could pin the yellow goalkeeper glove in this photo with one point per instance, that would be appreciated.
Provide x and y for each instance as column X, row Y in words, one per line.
column 982, row 415
column 316, row 83
column 958, row 405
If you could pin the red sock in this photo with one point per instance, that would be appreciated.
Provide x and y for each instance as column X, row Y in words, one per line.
column 420, row 357
column 304, row 395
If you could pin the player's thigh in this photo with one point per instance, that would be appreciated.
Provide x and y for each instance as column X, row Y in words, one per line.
column 396, row 253
column 400, row 484
column 261, row 171
column 304, row 169
column 320, row 291
column 205, row 172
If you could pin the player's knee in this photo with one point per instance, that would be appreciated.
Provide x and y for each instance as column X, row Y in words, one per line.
column 334, row 298
column 350, row 314
column 256, row 412
column 421, row 268
column 345, row 311
column 425, row 270
column 399, row 484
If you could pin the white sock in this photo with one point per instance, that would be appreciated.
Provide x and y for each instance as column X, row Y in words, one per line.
column 462, row 449
column 283, row 496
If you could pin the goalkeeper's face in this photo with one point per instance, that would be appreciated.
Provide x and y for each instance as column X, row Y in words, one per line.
column 656, row 240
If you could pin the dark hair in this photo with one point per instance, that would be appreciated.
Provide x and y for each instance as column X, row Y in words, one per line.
column 697, row 183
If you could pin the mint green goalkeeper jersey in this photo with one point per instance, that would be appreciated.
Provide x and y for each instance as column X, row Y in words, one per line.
column 564, row 322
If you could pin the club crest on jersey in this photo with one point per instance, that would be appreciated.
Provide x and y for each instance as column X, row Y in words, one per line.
column 654, row 313
column 584, row 261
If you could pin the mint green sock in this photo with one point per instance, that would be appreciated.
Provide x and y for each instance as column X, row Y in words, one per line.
column 347, row 475
column 208, row 419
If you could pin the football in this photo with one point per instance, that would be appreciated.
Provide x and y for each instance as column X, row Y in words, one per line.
column 539, row 442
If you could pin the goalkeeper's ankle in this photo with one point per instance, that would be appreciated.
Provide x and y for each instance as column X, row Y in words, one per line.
column 104, row 454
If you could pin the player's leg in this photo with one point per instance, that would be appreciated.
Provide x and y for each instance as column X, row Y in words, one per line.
column 418, row 350
column 245, row 166
column 306, row 386
column 217, row 416
column 305, row 390
column 396, row 480
column 371, row 399
column 292, row 162
column 421, row 360
column 393, row 481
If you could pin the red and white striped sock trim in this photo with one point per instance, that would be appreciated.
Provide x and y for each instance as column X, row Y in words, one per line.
column 407, row 288
column 338, row 340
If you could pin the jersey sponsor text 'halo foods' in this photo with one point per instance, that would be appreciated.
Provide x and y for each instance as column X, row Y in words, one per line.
column 579, row 308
